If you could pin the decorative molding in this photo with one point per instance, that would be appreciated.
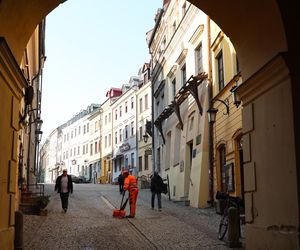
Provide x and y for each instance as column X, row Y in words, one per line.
column 198, row 32
column 182, row 56
column 217, row 41
column 10, row 71
column 172, row 71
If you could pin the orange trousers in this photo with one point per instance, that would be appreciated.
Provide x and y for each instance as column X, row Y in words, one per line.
column 133, row 193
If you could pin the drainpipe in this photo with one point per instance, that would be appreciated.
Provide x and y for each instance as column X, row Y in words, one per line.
column 210, row 137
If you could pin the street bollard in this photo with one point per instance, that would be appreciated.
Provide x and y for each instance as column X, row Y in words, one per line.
column 233, row 228
column 18, row 230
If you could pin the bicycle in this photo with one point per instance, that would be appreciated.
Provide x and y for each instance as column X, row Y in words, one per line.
column 229, row 201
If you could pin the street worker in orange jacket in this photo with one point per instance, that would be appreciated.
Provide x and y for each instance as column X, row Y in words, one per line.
column 130, row 184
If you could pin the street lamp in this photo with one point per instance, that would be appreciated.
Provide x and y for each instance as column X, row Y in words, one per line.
column 235, row 98
column 145, row 137
column 212, row 112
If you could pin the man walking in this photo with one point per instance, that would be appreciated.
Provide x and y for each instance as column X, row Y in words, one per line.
column 156, row 189
column 130, row 184
column 64, row 186
column 121, row 183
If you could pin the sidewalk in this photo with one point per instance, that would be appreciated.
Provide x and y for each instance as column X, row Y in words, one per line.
column 89, row 224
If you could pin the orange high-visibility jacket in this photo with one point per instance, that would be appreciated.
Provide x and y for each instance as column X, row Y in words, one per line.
column 130, row 182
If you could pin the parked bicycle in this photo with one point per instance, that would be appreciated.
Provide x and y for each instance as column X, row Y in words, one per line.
column 228, row 201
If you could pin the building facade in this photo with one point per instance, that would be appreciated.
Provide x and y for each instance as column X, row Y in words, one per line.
column 179, row 47
column 124, row 129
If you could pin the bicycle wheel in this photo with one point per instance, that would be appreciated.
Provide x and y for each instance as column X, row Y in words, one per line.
column 223, row 227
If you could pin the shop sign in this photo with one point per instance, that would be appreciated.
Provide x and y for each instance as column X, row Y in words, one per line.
column 124, row 147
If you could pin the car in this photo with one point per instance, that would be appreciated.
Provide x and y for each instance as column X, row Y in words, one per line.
column 78, row 179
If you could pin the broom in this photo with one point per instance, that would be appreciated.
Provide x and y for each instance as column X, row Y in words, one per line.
column 120, row 213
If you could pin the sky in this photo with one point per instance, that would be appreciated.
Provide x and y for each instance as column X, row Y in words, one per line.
column 91, row 45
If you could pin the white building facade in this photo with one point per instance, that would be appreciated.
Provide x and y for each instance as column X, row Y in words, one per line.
column 179, row 48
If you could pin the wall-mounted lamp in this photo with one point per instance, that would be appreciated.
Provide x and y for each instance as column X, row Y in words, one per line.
column 38, row 135
column 145, row 137
column 235, row 99
column 212, row 112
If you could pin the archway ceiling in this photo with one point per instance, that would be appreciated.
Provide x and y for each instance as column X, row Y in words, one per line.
column 254, row 27
column 19, row 18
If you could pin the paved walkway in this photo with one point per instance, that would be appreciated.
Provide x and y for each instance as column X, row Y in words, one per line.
column 89, row 224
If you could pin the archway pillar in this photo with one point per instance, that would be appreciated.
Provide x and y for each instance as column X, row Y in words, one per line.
column 270, row 170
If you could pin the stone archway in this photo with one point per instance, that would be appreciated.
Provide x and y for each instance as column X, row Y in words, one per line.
column 264, row 37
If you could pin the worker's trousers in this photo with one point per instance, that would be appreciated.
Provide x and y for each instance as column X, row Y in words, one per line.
column 133, row 193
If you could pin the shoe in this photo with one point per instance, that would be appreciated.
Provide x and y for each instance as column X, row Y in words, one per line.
column 129, row 216
column 65, row 210
column 159, row 209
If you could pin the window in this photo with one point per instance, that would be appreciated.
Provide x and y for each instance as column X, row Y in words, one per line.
column 141, row 105
column 146, row 101
column 72, row 134
column 65, row 138
column 183, row 8
column 174, row 27
column 126, row 132
column 126, row 161
column 132, row 102
column 75, row 132
column 174, row 87
column 132, row 128
column 191, row 123
column 71, row 152
column 132, row 160
column 183, row 75
column 84, row 129
column 74, row 151
column 141, row 133
column 86, row 148
column 146, row 162
column 120, row 111
column 116, row 137
column 158, row 160
column 79, row 130
column 199, row 59
column 120, row 135
column 116, row 114
column 87, row 127
column 83, row 149
column 109, row 140
column 68, row 137
column 67, row 155
column 109, row 117
column 126, row 107
column 220, row 70
column 96, row 147
column 105, row 120
column 105, row 140
column 237, row 65
column 91, row 151
column 78, row 150
column 140, row 163
column 177, row 140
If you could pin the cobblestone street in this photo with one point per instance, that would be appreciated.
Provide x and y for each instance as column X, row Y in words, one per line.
column 89, row 224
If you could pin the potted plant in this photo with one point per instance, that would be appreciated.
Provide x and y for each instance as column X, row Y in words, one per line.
column 43, row 202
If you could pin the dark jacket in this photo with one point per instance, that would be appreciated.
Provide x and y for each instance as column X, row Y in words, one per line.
column 121, row 179
column 58, row 184
column 156, row 184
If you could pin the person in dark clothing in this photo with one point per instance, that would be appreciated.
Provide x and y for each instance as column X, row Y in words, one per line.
column 156, row 189
column 64, row 186
column 121, row 183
